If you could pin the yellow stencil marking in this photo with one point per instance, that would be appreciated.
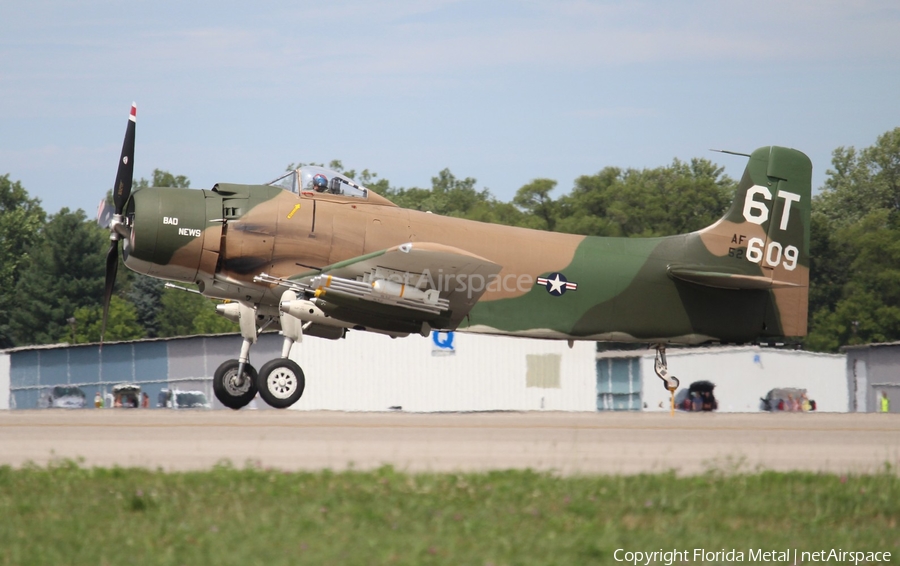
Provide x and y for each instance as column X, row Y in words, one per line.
column 291, row 213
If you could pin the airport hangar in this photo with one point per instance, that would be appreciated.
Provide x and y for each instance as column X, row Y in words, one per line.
column 873, row 369
column 443, row 372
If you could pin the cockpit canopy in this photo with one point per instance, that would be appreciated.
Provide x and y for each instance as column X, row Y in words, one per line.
column 320, row 180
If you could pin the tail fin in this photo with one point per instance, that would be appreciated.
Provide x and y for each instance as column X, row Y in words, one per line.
column 767, row 228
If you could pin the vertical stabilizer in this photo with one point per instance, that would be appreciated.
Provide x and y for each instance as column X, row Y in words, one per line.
column 767, row 227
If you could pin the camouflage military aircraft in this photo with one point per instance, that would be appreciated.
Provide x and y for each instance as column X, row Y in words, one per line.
column 316, row 253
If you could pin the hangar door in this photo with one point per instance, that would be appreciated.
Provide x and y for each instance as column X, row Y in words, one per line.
column 618, row 384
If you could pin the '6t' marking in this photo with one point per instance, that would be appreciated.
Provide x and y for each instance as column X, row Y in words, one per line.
column 757, row 212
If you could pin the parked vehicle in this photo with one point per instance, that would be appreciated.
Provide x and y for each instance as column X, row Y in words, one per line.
column 179, row 399
column 787, row 399
column 698, row 397
column 63, row 397
column 127, row 395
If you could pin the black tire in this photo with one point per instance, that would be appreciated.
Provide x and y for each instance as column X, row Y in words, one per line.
column 281, row 383
column 227, row 392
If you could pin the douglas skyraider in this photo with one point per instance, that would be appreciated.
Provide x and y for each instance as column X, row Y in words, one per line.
column 316, row 253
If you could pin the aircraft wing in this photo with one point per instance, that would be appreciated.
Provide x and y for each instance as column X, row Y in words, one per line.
column 402, row 286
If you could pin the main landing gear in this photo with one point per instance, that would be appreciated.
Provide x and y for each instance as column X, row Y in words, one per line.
column 280, row 382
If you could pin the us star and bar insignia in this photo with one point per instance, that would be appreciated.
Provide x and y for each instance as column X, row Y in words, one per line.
column 556, row 284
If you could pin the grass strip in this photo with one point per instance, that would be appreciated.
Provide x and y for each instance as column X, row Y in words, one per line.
column 68, row 514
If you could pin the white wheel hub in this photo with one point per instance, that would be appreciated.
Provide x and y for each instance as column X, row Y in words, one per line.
column 281, row 382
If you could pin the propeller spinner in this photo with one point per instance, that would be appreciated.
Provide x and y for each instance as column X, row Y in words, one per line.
column 117, row 226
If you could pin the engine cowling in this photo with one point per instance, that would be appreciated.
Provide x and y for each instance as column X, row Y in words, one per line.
column 172, row 235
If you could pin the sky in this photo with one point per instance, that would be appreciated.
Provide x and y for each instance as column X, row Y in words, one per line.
column 502, row 91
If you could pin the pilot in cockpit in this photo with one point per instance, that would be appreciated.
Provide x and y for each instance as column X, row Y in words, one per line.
column 320, row 183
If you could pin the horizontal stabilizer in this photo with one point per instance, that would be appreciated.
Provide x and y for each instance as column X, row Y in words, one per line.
column 723, row 280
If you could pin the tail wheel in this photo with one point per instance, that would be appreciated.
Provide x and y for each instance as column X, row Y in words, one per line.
column 281, row 383
column 231, row 391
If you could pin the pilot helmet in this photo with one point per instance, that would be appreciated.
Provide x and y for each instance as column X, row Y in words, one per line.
column 320, row 183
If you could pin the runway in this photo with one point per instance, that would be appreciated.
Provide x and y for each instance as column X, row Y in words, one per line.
column 565, row 443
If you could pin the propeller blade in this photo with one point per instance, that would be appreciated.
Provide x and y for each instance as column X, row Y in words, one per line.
column 121, row 192
column 122, row 188
column 112, row 266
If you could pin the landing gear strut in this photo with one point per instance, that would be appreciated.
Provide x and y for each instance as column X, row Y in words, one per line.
column 670, row 382
column 235, row 381
column 281, row 381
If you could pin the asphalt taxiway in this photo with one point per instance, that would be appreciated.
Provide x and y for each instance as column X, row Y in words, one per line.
column 566, row 443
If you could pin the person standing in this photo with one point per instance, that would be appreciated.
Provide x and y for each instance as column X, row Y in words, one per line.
column 885, row 403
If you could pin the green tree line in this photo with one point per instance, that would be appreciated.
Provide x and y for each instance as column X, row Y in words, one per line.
column 52, row 272
column 52, row 266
